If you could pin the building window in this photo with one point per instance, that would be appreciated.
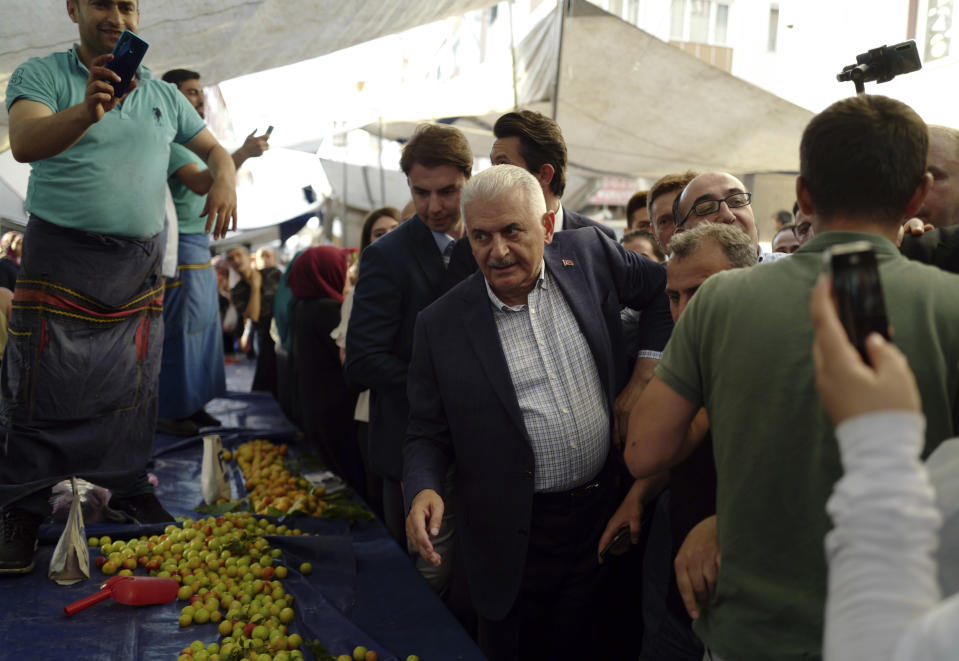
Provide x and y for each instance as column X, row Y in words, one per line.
column 938, row 29
column 699, row 21
column 677, row 21
column 773, row 28
column 722, row 16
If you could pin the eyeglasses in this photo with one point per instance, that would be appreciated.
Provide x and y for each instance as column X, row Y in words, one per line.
column 706, row 207
column 803, row 230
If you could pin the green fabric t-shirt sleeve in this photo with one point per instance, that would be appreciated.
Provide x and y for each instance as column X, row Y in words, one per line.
column 189, row 124
column 189, row 205
column 180, row 156
column 33, row 80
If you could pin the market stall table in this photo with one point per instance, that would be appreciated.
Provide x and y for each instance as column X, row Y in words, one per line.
column 363, row 589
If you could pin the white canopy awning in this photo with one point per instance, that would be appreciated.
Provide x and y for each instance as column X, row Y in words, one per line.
column 651, row 108
column 631, row 104
column 223, row 39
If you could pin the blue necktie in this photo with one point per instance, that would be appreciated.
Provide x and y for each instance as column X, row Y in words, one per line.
column 448, row 253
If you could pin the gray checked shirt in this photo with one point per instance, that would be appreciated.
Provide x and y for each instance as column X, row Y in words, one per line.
column 557, row 385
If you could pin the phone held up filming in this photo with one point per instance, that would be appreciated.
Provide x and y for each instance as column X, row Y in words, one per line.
column 858, row 292
column 127, row 56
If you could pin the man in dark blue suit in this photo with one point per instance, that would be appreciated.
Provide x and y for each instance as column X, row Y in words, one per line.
column 939, row 247
column 512, row 381
column 401, row 274
column 535, row 143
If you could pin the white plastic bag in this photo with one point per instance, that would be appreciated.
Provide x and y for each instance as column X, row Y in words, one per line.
column 215, row 483
column 71, row 559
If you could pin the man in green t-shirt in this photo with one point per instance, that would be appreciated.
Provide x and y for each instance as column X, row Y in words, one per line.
column 79, row 376
column 743, row 351
column 192, row 370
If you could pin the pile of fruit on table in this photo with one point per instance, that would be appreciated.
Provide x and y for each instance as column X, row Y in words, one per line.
column 230, row 577
column 270, row 486
column 227, row 572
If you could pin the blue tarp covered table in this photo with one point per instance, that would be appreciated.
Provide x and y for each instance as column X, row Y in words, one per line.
column 363, row 591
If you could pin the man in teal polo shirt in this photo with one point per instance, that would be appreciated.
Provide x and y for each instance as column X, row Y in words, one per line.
column 78, row 379
column 192, row 366
column 862, row 171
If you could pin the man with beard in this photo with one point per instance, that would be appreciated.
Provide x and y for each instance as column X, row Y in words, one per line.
column 192, row 373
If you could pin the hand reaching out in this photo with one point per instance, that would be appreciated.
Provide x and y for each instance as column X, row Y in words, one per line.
column 697, row 565
column 628, row 514
column 424, row 521
column 915, row 227
column 255, row 145
column 220, row 210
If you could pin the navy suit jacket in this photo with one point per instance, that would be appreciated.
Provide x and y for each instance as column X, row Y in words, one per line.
column 400, row 274
column 464, row 409
column 939, row 247
column 574, row 221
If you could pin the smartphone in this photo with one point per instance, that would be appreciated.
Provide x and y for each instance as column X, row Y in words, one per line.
column 269, row 130
column 858, row 292
column 127, row 55
column 618, row 544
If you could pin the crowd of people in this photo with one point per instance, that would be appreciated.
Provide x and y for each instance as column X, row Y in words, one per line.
column 662, row 447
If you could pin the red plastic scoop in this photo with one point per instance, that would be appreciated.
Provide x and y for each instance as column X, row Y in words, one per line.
column 131, row 590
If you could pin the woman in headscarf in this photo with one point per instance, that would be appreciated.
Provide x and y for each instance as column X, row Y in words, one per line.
column 325, row 403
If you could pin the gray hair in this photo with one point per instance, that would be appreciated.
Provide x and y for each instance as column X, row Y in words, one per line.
column 734, row 243
column 501, row 180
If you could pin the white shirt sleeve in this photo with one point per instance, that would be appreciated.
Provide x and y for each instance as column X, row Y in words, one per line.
column 934, row 636
column 943, row 467
column 171, row 249
column 883, row 592
column 339, row 333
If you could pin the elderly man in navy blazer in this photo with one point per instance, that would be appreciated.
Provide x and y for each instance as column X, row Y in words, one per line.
column 535, row 142
column 400, row 275
column 512, row 380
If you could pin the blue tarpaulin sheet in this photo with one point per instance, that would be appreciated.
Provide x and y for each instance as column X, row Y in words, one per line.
column 363, row 589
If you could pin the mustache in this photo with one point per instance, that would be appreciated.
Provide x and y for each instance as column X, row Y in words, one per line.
column 501, row 263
